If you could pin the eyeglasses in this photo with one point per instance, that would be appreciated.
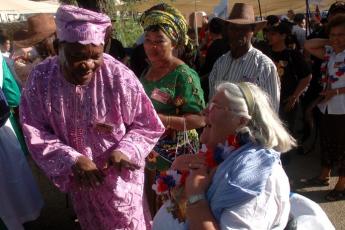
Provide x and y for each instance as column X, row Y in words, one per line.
column 213, row 105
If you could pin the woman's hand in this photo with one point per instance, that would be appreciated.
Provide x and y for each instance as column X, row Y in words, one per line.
column 290, row 103
column 86, row 172
column 199, row 214
column 327, row 94
column 189, row 161
column 164, row 119
column 182, row 122
column 199, row 180
column 309, row 111
column 121, row 161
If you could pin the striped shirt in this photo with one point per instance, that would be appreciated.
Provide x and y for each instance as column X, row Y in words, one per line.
column 254, row 66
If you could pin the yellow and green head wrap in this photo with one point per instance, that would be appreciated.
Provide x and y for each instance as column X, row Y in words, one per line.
column 169, row 20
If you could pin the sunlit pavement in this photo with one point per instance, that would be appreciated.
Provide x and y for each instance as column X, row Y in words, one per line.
column 56, row 215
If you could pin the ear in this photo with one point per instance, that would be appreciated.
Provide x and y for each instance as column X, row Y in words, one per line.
column 173, row 45
column 60, row 46
column 107, row 36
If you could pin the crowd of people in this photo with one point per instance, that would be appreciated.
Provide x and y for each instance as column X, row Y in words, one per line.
column 133, row 141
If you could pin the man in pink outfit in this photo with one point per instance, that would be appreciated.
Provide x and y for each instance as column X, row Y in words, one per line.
column 89, row 125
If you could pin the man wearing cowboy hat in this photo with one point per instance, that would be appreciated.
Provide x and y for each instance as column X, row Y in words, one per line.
column 40, row 35
column 243, row 62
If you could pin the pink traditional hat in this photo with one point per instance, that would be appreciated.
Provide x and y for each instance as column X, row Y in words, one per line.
column 75, row 24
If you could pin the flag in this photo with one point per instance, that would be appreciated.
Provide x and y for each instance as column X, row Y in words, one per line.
column 317, row 13
column 221, row 10
column 315, row 2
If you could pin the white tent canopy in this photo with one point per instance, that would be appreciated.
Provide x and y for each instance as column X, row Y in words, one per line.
column 277, row 7
column 26, row 7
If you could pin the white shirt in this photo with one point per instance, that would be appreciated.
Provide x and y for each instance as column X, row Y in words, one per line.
column 308, row 214
column 269, row 210
column 335, row 105
column 6, row 54
column 300, row 34
column 254, row 66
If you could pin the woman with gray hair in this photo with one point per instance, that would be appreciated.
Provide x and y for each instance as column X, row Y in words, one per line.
column 252, row 107
column 238, row 183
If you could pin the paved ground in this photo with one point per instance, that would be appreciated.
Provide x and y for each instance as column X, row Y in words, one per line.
column 56, row 216
column 57, row 213
column 302, row 167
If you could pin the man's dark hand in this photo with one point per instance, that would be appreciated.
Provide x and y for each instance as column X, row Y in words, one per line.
column 86, row 172
column 121, row 161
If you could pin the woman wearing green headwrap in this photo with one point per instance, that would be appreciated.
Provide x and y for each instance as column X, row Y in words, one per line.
column 173, row 87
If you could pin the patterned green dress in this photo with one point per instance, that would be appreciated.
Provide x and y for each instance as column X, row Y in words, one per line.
column 177, row 93
column 12, row 92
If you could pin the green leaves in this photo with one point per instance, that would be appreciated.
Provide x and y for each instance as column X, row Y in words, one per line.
column 105, row 6
column 69, row 2
column 126, row 27
column 127, row 30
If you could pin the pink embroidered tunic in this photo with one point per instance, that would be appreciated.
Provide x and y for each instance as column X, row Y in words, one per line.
column 62, row 121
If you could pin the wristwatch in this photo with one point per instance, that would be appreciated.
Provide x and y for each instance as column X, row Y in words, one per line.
column 195, row 198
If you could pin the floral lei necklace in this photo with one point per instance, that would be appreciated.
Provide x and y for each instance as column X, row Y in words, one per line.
column 171, row 183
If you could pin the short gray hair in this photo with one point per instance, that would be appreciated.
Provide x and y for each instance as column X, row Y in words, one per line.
column 264, row 125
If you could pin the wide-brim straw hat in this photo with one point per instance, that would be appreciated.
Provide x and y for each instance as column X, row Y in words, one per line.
column 40, row 27
column 243, row 14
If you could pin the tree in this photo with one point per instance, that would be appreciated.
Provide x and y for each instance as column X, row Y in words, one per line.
column 104, row 6
column 72, row 2
column 125, row 25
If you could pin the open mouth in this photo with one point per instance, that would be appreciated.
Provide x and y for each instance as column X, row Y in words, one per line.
column 85, row 74
column 208, row 125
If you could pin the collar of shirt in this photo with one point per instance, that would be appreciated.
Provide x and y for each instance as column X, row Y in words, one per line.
column 245, row 56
